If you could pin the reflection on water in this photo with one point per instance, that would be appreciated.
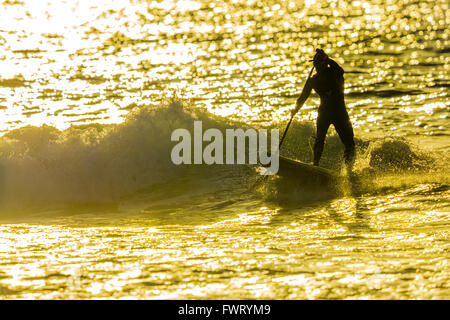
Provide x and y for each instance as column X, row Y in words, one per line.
column 81, row 62
column 365, row 247
column 75, row 62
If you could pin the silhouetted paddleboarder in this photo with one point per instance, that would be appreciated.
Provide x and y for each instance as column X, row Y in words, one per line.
column 328, row 82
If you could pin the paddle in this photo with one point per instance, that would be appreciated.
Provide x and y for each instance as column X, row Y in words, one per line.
column 286, row 130
column 293, row 115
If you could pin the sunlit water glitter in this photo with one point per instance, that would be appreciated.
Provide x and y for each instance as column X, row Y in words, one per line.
column 87, row 213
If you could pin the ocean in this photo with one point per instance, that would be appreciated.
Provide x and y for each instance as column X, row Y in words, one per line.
column 92, row 207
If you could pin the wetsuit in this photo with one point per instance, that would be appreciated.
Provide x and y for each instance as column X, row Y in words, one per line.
column 329, row 85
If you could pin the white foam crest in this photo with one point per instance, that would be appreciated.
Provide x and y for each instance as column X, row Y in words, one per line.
column 93, row 163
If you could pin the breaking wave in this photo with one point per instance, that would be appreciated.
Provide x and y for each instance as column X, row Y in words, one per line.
column 97, row 163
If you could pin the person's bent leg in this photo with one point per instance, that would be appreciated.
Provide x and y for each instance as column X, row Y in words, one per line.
column 345, row 131
column 318, row 149
column 322, row 128
column 349, row 156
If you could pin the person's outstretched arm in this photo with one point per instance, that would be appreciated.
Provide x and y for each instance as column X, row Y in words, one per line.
column 304, row 96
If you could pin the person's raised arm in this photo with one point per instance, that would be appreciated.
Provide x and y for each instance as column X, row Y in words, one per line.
column 304, row 96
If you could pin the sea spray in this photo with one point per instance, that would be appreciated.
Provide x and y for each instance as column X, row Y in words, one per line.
column 235, row 144
column 100, row 163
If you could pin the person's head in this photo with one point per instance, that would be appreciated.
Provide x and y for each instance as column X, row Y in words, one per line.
column 320, row 60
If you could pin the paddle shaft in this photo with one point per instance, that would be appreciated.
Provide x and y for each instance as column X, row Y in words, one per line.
column 292, row 117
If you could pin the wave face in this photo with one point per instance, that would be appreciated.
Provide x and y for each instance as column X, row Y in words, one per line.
column 98, row 163
column 42, row 166
column 91, row 163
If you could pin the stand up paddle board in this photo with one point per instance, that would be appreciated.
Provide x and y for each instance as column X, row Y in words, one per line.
column 306, row 173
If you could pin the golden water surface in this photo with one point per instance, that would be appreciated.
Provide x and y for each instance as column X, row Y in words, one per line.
column 82, row 217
